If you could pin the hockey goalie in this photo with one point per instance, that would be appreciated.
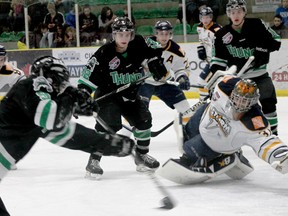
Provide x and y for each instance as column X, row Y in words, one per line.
column 214, row 135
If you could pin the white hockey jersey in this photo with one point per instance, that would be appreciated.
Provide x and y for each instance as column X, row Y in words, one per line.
column 206, row 37
column 175, row 61
column 9, row 75
column 225, row 135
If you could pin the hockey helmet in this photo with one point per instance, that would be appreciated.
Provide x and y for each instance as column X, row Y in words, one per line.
column 53, row 69
column 244, row 95
column 123, row 24
column 205, row 11
column 2, row 51
column 163, row 26
column 235, row 4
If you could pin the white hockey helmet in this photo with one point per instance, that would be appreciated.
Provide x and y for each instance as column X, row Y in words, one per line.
column 244, row 95
column 235, row 4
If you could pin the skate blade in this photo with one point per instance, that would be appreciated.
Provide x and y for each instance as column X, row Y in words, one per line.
column 92, row 176
column 144, row 169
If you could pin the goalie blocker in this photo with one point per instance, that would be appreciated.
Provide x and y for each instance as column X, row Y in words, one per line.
column 236, row 166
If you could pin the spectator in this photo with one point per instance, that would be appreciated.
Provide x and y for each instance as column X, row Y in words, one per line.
column 52, row 19
column 58, row 37
column 279, row 26
column 105, row 19
column 70, row 19
column 37, row 12
column 88, row 24
column 283, row 12
column 59, row 6
column 44, row 40
column 16, row 16
column 70, row 37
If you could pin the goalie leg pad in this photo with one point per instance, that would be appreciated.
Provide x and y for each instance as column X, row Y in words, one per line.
column 176, row 172
column 241, row 169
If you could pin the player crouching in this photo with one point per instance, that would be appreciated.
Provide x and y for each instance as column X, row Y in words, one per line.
column 216, row 132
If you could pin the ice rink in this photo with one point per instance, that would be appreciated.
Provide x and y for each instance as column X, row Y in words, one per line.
column 50, row 182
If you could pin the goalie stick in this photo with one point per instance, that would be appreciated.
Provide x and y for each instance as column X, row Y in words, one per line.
column 167, row 200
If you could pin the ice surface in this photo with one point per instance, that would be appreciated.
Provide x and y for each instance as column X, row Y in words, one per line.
column 50, row 182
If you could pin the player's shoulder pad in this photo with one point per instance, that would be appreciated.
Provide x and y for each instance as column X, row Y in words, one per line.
column 254, row 119
column 174, row 48
column 227, row 84
column 215, row 27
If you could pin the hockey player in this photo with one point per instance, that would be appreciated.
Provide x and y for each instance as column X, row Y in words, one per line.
column 218, row 130
column 110, row 67
column 42, row 106
column 206, row 30
column 9, row 75
column 176, row 63
column 242, row 38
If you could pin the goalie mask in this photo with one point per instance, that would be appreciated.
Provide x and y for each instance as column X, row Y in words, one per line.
column 235, row 4
column 123, row 24
column 244, row 95
column 53, row 69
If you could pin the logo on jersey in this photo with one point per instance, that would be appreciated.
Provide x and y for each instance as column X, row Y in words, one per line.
column 258, row 122
column 227, row 38
column 221, row 120
column 114, row 63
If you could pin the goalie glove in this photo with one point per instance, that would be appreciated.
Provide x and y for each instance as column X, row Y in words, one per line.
column 184, row 82
column 157, row 68
column 201, row 52
column 120, row 146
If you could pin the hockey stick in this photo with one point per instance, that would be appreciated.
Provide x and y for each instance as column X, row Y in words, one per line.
column 232, row 71
column 167, row 200
column 246, row 66
column 122, row 88
column 191, row 109
column 177, row 84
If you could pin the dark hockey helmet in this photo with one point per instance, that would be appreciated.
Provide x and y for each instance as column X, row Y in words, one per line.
column 205, row 11
column 53, row 69
column 235, row 4
column 244, row 95
column 123, row 24
column 2, row 51
column 163, row 26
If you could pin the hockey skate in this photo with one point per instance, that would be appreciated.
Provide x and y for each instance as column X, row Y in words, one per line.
column 145, row 163
column 93, row 169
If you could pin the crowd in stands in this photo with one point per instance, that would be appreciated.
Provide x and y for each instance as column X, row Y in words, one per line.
column 53, row 23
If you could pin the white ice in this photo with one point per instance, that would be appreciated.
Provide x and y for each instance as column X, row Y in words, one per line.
column 50, row 182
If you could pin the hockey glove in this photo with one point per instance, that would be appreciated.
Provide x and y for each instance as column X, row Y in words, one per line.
column 261, row 57
column 201, row 52
column 85, row 105
column 184, row 82
column 120, row 146
column 157, row 68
